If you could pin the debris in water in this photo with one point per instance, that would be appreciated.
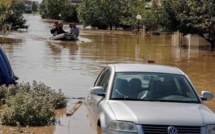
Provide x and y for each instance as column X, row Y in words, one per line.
column 74, row 109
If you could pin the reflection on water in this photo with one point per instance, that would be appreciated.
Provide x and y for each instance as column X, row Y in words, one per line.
column 73, row 66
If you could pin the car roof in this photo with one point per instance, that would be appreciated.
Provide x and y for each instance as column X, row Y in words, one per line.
column 146, row 68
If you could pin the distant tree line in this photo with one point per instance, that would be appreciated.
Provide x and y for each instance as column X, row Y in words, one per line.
column 110, row 13
column 185, row 16
column 58, row 9
column 190, row 17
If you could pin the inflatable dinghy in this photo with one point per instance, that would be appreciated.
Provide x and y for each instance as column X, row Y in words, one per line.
column 65, row 36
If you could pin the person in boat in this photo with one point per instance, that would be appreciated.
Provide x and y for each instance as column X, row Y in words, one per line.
column 57, row 29
column 74, row 29
column 61, row 29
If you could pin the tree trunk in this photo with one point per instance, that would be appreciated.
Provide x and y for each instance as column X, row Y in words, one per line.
column 111, row 26
column 212, row 42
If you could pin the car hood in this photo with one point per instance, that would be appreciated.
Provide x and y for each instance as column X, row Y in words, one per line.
column 162, row 113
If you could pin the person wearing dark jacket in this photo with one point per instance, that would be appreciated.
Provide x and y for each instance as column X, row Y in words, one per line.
column 57, row 29
column 60, row 29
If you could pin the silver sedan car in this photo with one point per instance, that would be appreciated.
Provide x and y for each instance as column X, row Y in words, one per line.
column 148, row 99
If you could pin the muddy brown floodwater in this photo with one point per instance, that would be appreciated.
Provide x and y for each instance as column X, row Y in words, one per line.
column 73, row 66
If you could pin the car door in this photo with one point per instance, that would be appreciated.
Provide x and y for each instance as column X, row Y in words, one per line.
column 102, row 80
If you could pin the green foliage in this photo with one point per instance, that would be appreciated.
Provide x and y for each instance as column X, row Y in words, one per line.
column 191, row 17
column 110, row 13
column 34, row 7
column 150, row 18
column 168, row 17
column 198, row 16
column 27, row 109
column 20, row 6
column 31, row 105
column 58, row 9
column 4, row 8
column 90, row 13
column 69, row 13
column 15, row 17
column 43, row 10
column 11, row 15
column 58, row 100
column 54, row 8
column 130, row 9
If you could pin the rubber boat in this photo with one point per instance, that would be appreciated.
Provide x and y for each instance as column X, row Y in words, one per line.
column 7, row 75
column 65, row 36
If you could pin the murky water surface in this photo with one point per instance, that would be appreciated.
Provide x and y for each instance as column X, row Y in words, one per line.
column 73, row 66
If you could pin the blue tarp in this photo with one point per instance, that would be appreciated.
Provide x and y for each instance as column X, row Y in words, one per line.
column 6, row 73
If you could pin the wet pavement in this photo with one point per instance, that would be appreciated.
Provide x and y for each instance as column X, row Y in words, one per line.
column 73, row 66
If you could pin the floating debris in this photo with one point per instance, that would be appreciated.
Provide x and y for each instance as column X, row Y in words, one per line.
column 151, row 61
column 74, row 109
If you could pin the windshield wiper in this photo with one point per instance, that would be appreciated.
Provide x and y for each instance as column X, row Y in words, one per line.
column 179, row 101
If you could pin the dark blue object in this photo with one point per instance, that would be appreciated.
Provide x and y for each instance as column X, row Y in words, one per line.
column 6, row 73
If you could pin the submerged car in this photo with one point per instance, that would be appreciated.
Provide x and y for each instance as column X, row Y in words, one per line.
column 148, row 99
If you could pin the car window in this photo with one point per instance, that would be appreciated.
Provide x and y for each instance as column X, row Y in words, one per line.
column 103, row 79
column 98, row 79
column 153, row 87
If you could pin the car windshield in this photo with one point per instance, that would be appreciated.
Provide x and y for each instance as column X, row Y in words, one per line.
column 153, row 87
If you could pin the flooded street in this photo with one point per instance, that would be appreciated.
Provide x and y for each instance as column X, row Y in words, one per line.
column 74, row 66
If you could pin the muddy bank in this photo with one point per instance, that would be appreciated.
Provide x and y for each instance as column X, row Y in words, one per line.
column 5, row 39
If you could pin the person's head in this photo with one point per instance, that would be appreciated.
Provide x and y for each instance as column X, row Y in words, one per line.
column 72, row 25
column 56, row 23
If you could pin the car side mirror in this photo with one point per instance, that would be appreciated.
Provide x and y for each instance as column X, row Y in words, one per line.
column 206, row 95
column 98, row 91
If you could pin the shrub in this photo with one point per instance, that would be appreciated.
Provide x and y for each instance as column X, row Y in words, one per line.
column 57, row 99
column 31, row 105
column 27, row 109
